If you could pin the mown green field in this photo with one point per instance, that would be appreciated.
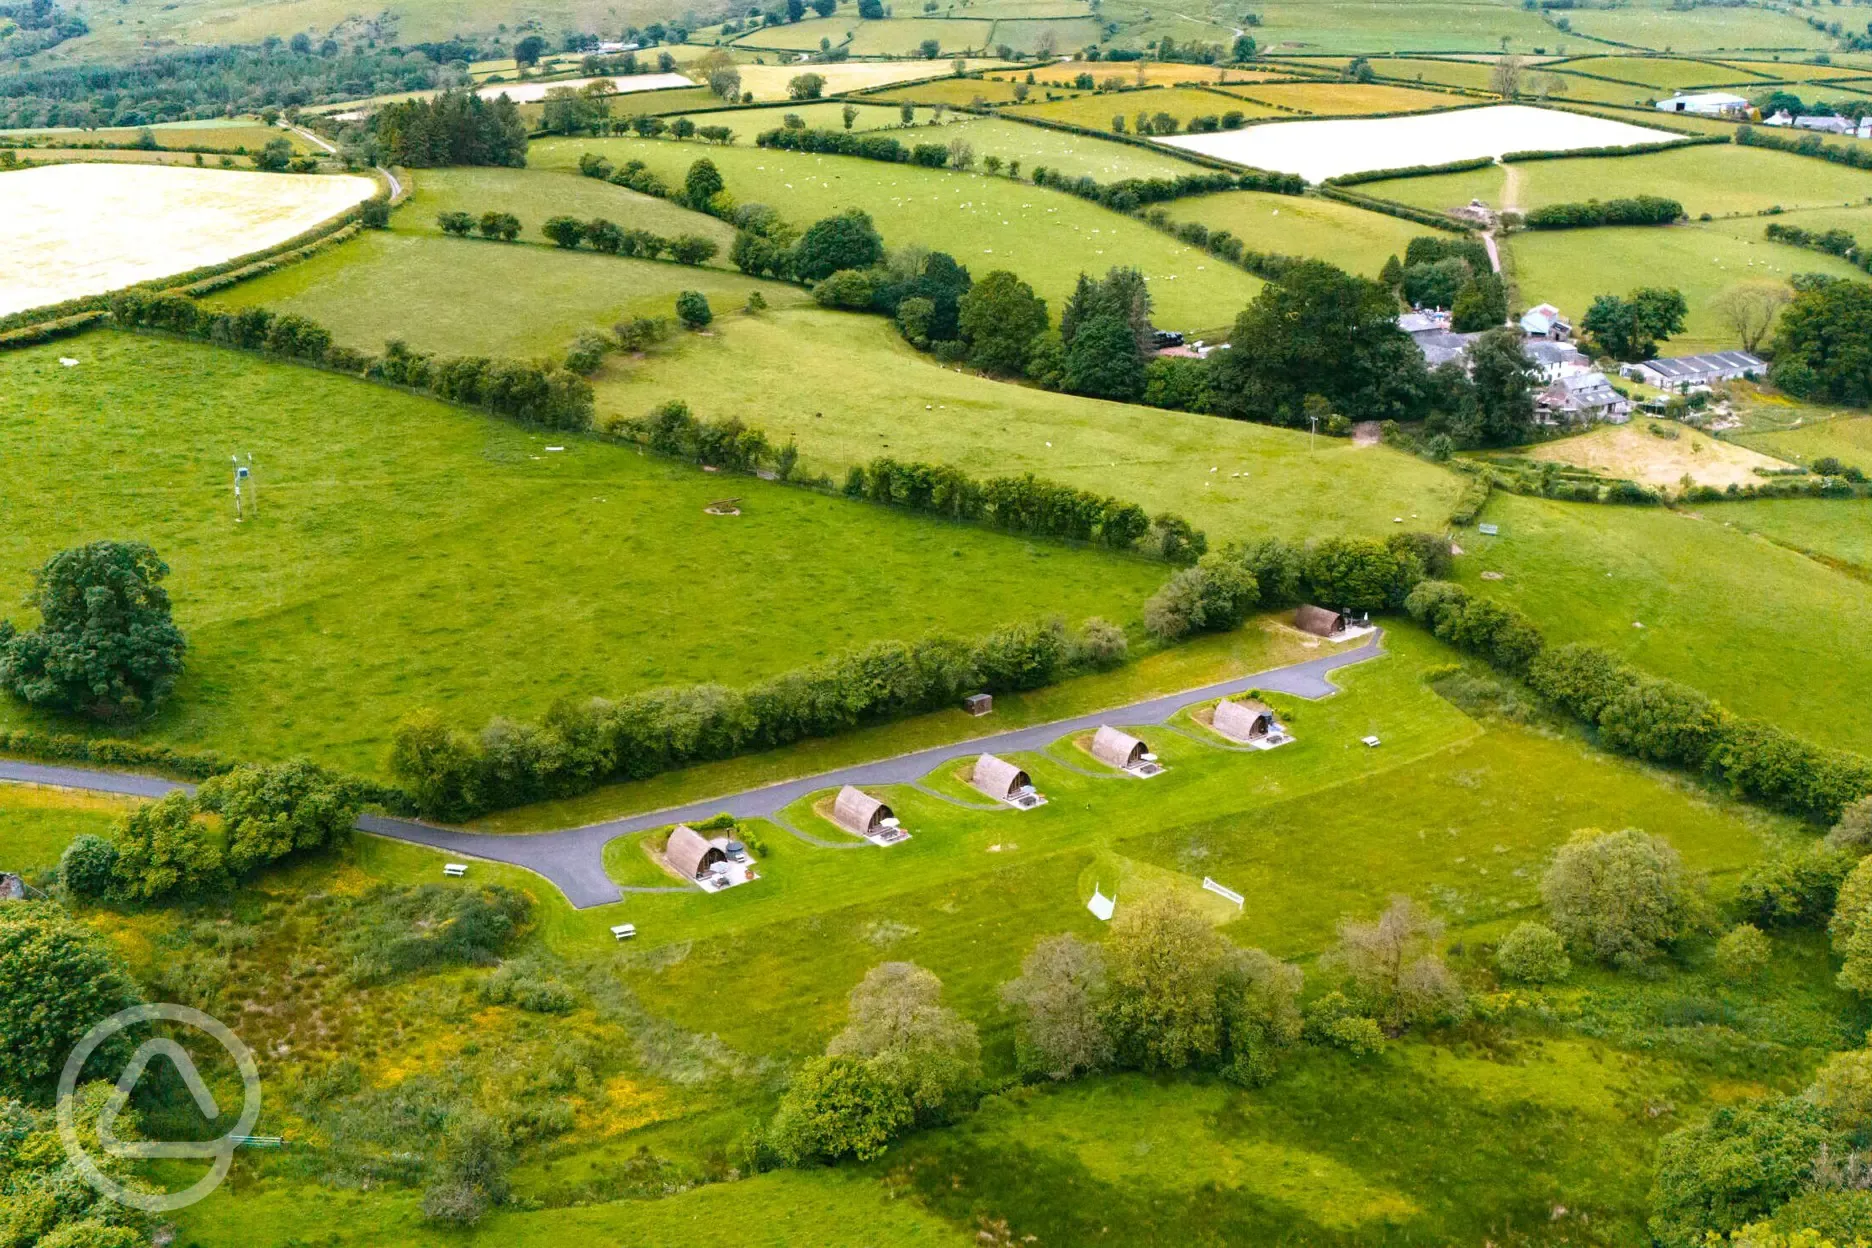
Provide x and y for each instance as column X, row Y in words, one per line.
column 1765, row 630
column 1230, row 477
column 1845, row 435
column 1330, row 99
column 1720, row 180
column 1048, row 237
column 531, row 301
column 1837, row 531
column 234, row 135
column 1661, row 72
column 1075, row 155
column 1414, row 26
column 409, row 553
column 826, row 115
column 1352, row 238
column 1096, row 111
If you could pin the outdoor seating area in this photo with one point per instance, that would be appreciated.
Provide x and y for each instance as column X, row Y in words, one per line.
column 863, row 815
column 1004, row 782
column 711, row 863
column 1125, row 752
column 1248, row 722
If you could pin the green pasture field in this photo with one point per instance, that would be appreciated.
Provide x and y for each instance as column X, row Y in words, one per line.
column 533, row 300
column 1663, row 73
column 1797, row 71
column 1417, row 26
column 1711, row 30
column 1075, row 155
column 1767, row 631
column 1352, row 238
column 1142, row 73
column 1097, row 110
column 954, row 92
column 1855, row 220
column 890, row 399
column 409, row 553
column 1723, row 180
column 1029, row 35
column 37, row 823
column 829, row 115
column 986, row 223
column 534, row 195
column 1567, row 268
column 1846, row 436
column 1471, row 74
column 1577, row 89
column 1636, row 111
column 239, row 135
column 1327, row 99
column 1836, row 531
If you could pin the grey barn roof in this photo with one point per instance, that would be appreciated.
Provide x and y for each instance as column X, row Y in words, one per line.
column 1698, row 367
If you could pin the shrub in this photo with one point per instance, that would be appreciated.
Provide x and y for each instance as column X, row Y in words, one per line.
column 1742, row 954
column 564, row 231
column 1331, row 1020
column 1853, row 831
column 460, row 224
column 1100, row 645
column 1165, row 969
column 61, row 978
column 693, row 249
column 692, row 308
column 1794, row 889
column 838, row 1107
column 1214, row 596
column 847, row 288
column 163, row 851
column 1617, row 896
column 1736, row 1166
column 273, row 810
column 586, row 353
column 1058, row 1031
column 1533, row 954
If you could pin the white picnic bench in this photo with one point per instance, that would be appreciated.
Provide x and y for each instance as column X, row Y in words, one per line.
column 1369, row 741
column 624, row 931
column 454, row 868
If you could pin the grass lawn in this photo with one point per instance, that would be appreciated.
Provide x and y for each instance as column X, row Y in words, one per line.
column 37, row 823
column 1633, row 451
column 530, row 300
column 893, row 400
column 1352, row 238
column 1326, row 99
column 410, row 553
column 1767, row 631
column 1097, row 110
column 1712, row 179
column 1048, row 237
column 1569, row 267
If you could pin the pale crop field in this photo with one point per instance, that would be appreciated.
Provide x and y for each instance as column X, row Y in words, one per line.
column 82, row 229
column 1323, row 149
column 769, row 82
column 1635, row 452
column 530, row 92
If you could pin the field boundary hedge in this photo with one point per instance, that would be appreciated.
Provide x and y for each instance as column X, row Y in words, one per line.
column 1410, row 171
column 1807, row 145
column 1276, row 181
column 1390, row 207
column 1637, row 149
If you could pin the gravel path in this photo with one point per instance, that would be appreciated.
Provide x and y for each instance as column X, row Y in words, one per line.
column 573, row 858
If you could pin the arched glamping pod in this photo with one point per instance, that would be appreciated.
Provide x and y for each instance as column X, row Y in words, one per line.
column 858, row 812
column 1249, row 723
column 1005, row 782
column 1124, row 751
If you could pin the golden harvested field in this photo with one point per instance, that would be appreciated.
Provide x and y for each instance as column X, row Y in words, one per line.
column 530, row 92
column 84, row 229
column 1327, row 99
column 1634, row 452
column 248, row 136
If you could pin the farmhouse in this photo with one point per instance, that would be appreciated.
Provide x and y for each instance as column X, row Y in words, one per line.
column 1123, row 751
column 1246, row 721
column 1698, row 370
column 1707, row 104
column 1430, row 330
column 1004, row 782
column 1555, row 360
column 1583, row 396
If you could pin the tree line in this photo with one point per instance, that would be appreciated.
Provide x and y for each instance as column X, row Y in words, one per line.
column 1631, row 210
column 542, row 394
column 583, row 743
column 453, row 128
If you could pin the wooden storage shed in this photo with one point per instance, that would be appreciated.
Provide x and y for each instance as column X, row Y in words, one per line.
column 1319, row 621
column 857, row 811
column 998, row 778
column 691, row 854
column 1246, row 721
column 1118, row 749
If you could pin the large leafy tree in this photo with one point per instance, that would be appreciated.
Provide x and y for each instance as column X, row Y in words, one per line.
column 1320, row 330
column 106, row 644
column 273, row 810
column 1823, row 347
column 1166, row 965
column 846, row 241
column 1103, row 360
column 1630, row 328
column 1503, row 378
column 1001, row 316
column 1735, row 1167
column 61, row 979
column 1617, row 896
